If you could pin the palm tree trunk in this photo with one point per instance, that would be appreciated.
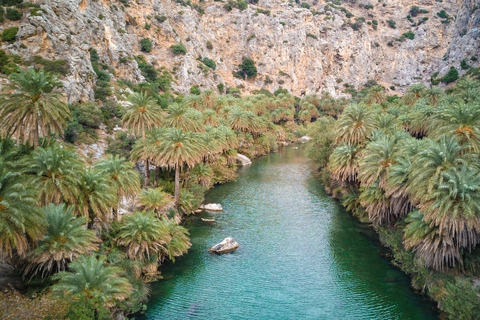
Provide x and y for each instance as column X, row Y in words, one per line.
column 177, row 184
column 147, row 173
column 157, row 173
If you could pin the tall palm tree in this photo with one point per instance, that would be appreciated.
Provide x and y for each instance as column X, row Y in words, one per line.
column 460, row 120
column 179, row 148
column 343, row 163
column 97, row 197
column 31, row 108
column 180, row 240
column 414, row 92
column 66, row 239
column 142, row 115
column 21, row 221
column 122, row 175
column 143, row 235
column 354, row 125
column 155, row 200
column 57, row 172
column 375, row 94
column 184, row 118
column 93, row 281
column 202, row 174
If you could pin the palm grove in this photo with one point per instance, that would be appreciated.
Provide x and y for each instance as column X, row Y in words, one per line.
column 60, row 213
column 409, row 166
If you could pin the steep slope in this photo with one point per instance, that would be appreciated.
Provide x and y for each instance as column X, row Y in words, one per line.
column 305, row 48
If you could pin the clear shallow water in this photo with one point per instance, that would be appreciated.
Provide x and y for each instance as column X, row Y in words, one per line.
column 301, row 256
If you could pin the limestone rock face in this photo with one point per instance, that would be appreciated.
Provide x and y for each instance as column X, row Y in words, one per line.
column 243, row 160
column 303, row 50
column 226, row 246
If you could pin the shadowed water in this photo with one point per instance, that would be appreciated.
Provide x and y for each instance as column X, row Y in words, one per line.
column 301, row 256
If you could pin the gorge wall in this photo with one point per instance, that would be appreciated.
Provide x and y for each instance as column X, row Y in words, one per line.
column 306, row 48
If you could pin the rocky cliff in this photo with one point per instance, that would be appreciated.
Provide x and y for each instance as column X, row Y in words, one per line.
column 305, row 47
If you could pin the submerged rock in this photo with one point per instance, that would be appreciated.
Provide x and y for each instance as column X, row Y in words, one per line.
column 212, row 207
column 304, row 139
column 226, row 246
column 243, row 160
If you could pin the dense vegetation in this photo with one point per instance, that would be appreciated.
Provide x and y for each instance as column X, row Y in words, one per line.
column 409, row 166
column 84, row 231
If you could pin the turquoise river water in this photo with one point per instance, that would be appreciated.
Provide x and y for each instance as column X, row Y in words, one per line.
column 301, row 256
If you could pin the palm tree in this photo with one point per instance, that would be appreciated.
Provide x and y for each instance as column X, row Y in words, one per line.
column 122, row 176
column 202, row 174
column 428, row 165
column 97, row 197
column 184, row 118
column 414, row 93
column 30, row 108
column 433, row 95
column 178, row 148
column 460, row 120
column 180, row 240
column 57, row 172
column 143, row 235
column 454, row 206
column 354, row 125
column 66, row 239
column 343, row 163
column 142, row 115
column 92, row 281
column 21, row 221
column 375, row 94
column 155, row 200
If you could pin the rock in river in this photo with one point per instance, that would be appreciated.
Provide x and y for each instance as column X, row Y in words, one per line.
column 243, row 160
column 226, row 246
column 212, row 207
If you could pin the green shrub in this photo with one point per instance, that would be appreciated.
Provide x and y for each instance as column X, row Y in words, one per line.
column 311, row 35
column 392, row 24
column 247, row 69
column 195, row 90
column 443, row 14
column 9, row 3
column 178, row 49
column 209, row 63
column 221, row 87
column 13, row 14
column 209, row 45
column 9, row 34
column 305, row 5
column 451, row 76
column 464, row 65
column 54, row 66
column 409, row 35
column 161, row 19
column 146, row 45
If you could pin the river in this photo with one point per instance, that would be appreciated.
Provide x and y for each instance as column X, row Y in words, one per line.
column 301, row 256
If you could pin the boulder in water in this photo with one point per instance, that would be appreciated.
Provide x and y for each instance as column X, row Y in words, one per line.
column 212, row 207
column 226, row 246
column 304, row 139
column 243, row 160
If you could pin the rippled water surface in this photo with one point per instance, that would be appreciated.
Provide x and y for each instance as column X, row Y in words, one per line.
column 301, row 256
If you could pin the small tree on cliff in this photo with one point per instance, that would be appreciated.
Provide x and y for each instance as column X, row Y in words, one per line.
column 247, row 69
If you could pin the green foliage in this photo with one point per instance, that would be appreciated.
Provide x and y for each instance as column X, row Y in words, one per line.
column 54, row 66
column 9, row 34
column 221, row 87
column 409, row 35
column 13, row 14
column 195, row 90
column 451, row 76
column 208, row 62
column 311, row 35
column 305, row 5
column 86, row 118
column 161, row 19
column 247, row 69
column 146, row 45
column 392, row 24
column 178, row 49
column 239, row 4
column 209, row 45
column 464, row 65
column 8, row 3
